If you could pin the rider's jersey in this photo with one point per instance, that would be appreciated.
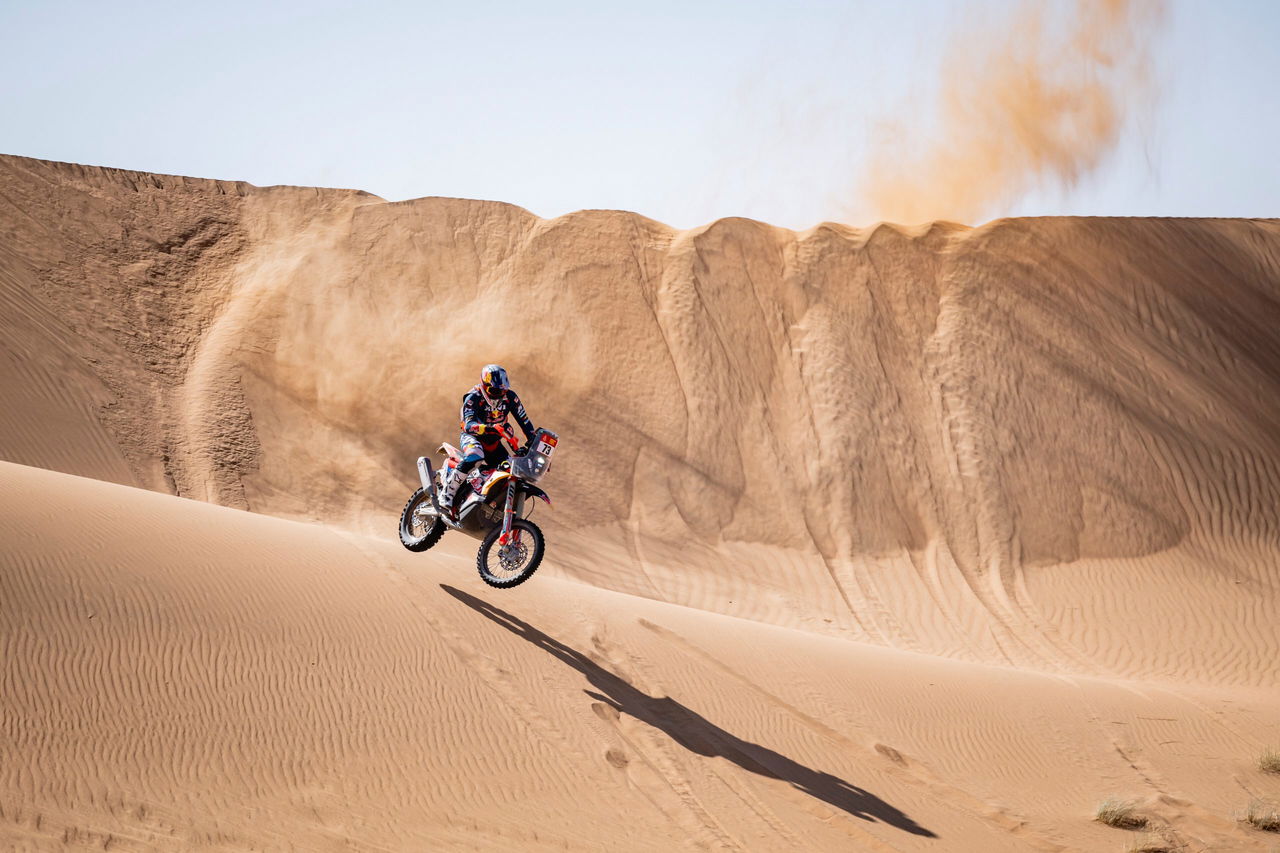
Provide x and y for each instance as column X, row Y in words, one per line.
column 478, row 412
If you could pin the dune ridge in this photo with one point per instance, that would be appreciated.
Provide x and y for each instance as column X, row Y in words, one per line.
column 805, row 478
column 941, row 413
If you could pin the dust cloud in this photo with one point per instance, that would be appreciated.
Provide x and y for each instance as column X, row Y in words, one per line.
column 1039, row 102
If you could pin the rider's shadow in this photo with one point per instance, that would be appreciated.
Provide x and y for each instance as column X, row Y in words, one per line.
column 695, row 732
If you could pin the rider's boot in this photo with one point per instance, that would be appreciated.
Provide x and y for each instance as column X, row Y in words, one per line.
column 449, row 489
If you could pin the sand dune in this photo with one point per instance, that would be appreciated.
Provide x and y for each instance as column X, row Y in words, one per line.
column 180, row 675
column 884, row 538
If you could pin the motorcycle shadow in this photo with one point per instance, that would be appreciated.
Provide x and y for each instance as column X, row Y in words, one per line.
column 696, row 733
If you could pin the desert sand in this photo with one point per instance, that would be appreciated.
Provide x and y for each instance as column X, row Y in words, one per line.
column 885, row 538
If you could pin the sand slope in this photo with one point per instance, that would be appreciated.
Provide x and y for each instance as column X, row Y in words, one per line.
column 178, row 675
column 1004, row 501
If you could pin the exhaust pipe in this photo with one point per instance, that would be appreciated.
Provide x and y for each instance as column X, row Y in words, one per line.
column 426, row 474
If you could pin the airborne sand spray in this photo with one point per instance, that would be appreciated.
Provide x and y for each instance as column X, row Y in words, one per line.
column 1038, row 103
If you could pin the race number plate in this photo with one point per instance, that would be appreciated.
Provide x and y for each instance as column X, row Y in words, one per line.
column 546, row 446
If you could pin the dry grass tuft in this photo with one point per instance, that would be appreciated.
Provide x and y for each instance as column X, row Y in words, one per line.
column 1122, row 814
column 1270, row 760
column 1263, row 816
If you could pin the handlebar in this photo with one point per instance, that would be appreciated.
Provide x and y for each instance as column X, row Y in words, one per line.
column 506, row 434
column 509, row 436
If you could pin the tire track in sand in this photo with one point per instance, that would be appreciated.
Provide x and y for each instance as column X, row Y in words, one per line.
column 691, row 814
column 909, row 770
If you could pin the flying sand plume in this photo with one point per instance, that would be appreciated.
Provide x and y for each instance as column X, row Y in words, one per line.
column 1043, row 105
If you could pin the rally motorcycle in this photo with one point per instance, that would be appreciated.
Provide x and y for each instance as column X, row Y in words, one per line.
column 493, row 505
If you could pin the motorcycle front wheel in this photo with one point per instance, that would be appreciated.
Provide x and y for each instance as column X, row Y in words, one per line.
column 505, row 566
column 420, row 526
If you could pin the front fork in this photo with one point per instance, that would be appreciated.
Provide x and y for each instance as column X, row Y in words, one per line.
column 515, row 503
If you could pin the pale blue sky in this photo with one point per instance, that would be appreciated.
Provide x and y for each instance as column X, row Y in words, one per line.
column 684, row 112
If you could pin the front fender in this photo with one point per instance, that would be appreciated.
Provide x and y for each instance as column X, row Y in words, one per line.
column 527, row 488
column 536, row 492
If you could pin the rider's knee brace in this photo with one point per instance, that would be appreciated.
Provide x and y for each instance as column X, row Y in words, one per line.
column 468, row 462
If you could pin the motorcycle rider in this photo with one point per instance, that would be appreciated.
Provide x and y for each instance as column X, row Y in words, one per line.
column 485, row 409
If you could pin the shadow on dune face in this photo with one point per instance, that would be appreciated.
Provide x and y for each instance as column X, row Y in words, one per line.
column 695, row 732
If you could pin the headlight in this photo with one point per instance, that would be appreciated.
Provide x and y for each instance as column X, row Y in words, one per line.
column 532, row 466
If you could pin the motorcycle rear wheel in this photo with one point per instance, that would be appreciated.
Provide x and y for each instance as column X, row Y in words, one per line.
column 420, row 527
column 505, row 566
